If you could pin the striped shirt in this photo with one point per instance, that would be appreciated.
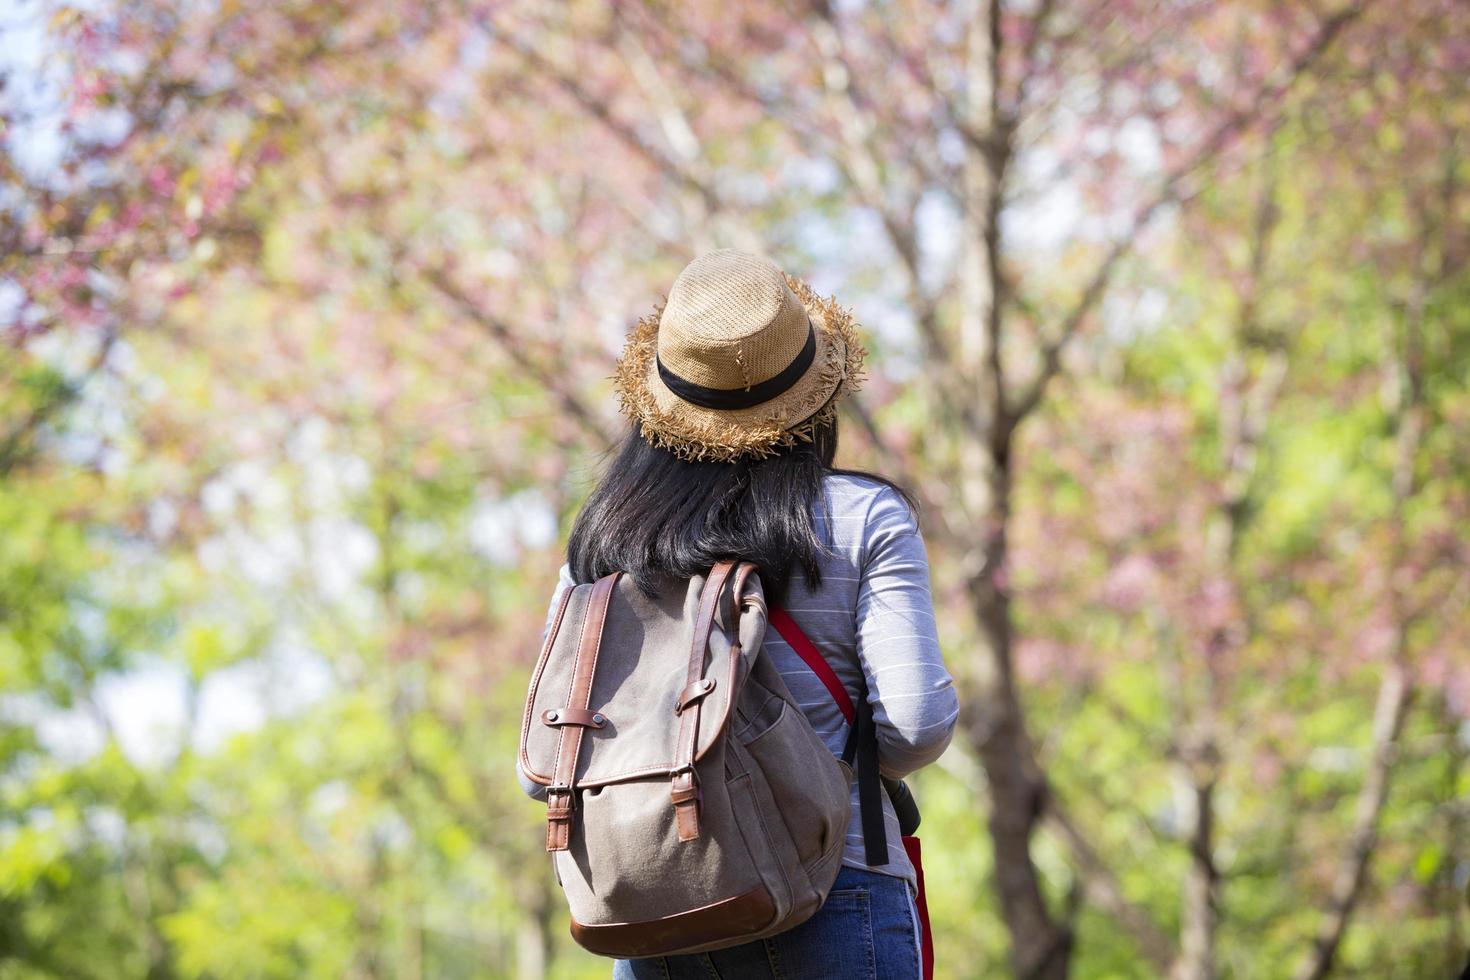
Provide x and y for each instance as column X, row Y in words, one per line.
column 873, row 620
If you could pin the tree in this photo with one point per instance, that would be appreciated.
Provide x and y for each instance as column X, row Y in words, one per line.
column 349, row 277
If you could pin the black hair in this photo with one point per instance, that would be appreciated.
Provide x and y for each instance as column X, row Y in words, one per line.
column 654, row 516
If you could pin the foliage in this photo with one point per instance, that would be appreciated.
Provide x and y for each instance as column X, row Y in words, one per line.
column 308, row 312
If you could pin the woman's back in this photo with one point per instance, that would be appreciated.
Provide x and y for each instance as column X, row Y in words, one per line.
column 732, row 387
column 872, row 619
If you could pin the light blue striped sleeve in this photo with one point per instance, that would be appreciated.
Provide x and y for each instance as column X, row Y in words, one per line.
column 913, row 697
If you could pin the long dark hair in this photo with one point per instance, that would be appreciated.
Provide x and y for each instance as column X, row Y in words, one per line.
column 655, row 516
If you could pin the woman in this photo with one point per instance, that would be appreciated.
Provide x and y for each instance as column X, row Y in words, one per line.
column 732, row 388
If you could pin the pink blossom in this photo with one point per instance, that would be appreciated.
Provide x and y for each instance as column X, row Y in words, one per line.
column 1130, row 584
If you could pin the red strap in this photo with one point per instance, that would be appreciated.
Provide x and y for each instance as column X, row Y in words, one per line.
column 809, row 653
column 921, row 905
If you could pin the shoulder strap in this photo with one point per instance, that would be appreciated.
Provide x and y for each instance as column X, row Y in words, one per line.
column 861, row 750
column 684, row 788
column 560, row 796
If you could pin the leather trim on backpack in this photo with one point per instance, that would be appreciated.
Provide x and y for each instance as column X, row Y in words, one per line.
column 745, row 914
column 561, row 797
column 737, row 592
column 711, row 724
column 684, row 788
column 556, row 621
column 554, row 717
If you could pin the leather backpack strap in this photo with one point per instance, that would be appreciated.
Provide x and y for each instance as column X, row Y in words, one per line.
column 684, row 787
column 561, row 796
column 743, row 572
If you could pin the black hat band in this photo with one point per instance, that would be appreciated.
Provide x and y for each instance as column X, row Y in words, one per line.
column 728, row 399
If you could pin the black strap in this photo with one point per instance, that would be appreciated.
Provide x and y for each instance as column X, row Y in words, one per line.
column 861, row 752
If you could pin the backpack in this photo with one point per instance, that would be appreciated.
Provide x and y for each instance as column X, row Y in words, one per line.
column 690, row 805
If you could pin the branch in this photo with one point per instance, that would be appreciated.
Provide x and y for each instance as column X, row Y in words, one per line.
column 511, row 343
column 15, row 442
column 1394, row 695
column 1395, row 691
column 934, row 515
column 677, row 170
column 1101, row 886
column 1171, row 191
column 1039, row 22
column 683, row 142
column 1245, row 408
column 862, row 165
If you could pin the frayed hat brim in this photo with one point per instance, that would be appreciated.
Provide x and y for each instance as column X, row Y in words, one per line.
column 696, row 433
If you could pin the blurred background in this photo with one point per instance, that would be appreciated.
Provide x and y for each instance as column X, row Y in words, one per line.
column 308, row 314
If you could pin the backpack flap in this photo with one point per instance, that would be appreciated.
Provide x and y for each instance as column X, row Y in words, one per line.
column 630, row 726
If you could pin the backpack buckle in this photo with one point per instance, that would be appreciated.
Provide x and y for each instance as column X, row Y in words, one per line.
column 686, row 795
column 560, row 804
column 686, row 783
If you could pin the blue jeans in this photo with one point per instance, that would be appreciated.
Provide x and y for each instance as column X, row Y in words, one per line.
column 865, row 930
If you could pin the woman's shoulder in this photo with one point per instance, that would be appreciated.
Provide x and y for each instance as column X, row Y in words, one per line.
column 855, row 494
column 855, row 487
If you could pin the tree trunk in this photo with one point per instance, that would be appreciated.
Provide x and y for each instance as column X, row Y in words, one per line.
column 1040, row 947
column 1201, row 893
column 533, row 939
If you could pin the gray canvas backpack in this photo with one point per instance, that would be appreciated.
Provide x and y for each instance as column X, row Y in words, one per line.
column 690, row 805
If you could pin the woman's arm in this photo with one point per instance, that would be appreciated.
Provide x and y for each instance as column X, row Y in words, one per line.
column 913, row 697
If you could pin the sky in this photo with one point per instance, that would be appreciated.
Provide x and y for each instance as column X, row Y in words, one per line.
column 30, row 82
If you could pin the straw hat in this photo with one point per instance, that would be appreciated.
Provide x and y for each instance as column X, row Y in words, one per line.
column 741, row 360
